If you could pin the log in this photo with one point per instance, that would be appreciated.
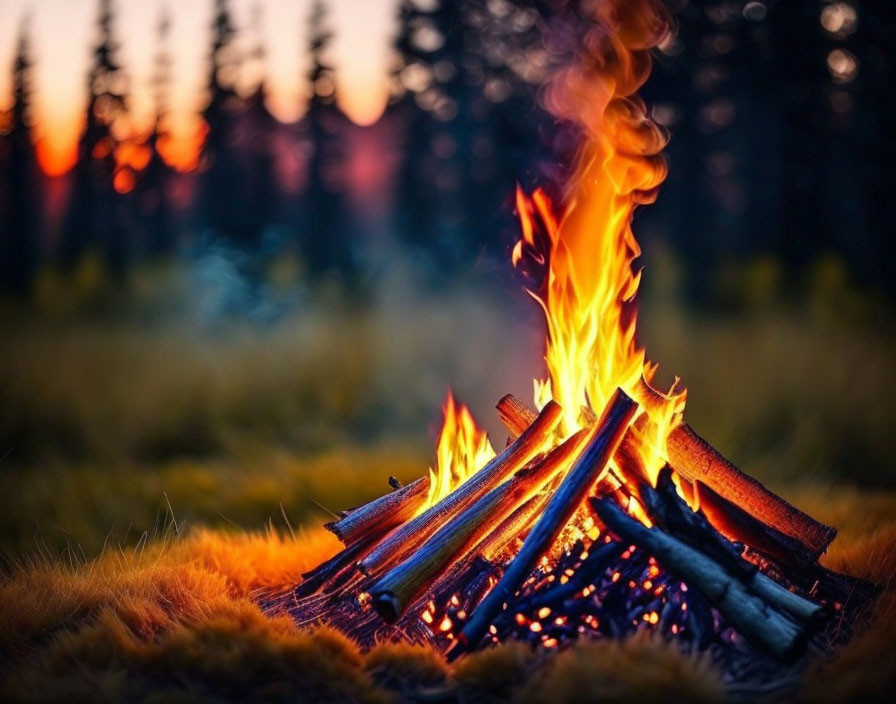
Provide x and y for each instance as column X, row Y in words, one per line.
column 736, row 524
column 514, row 527
column 392, row 593
column 588, row 468
column 749, row 614
column 696, row 460
column 406, row 538
column 515, row 415
column 382, row 514
column 675, row 517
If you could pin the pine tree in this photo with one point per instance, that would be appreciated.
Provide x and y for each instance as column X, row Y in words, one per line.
column 20, row 188
column 222, row 211
column 325, row 241
column 152, row 195
column 262, row 187
column 95, row 218
column 469, row 132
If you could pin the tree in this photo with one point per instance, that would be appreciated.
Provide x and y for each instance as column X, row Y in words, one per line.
column 325, row 239
column 262, row 187
column 222, row 211
column 152, row 196
column 20, row 222
column 95, row 217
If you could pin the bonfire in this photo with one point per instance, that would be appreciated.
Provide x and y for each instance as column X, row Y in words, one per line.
column 605, row 513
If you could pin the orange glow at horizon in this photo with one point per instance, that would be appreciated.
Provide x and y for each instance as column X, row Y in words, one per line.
column 62, row 35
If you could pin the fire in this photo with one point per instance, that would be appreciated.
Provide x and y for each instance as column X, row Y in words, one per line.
column 587, row 250
column 461, row 449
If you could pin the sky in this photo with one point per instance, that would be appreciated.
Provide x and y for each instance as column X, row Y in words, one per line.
column 62, row 34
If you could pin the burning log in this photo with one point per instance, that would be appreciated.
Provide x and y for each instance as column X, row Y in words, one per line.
column 674, row 516
column 581, row 477
column 405, row 539
column 382, row 514
column 395, row 590
column 735, row 523
column 750, row 615
column 697, row 460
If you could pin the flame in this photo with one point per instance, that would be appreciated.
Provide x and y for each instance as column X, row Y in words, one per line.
column 587, row 252
column 461, row 449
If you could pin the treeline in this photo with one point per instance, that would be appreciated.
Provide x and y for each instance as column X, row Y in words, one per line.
column 462, row 106
column 778, row 114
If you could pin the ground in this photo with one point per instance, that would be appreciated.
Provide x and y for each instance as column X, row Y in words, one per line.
column 158, row 477
column 174, row 619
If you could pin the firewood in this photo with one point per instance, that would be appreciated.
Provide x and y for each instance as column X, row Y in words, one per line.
column 697, row 460
column 397, row 588
column 515, row 415
column 514, row 527
column 735, row 523
column 406, row 538
column 588, row 468
column 382, row 514
column 764, row 626
column 675, row 517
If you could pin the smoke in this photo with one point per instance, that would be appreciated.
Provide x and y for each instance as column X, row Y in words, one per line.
column 229, row 284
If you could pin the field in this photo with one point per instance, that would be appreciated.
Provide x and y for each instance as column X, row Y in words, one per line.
column 158, row 471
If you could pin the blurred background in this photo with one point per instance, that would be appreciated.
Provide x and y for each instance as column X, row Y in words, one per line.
column 246, row 246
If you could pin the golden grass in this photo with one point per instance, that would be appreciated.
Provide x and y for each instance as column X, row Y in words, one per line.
column 175, row 620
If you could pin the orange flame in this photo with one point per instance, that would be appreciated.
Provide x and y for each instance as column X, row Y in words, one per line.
column 590, row 283
column 462, row 449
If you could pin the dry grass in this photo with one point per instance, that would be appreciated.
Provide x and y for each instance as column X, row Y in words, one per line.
column 175, row 620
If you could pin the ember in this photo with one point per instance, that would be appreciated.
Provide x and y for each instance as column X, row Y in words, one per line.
column 585, row 524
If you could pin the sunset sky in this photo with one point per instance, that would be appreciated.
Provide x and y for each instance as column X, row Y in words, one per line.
column 62, row 34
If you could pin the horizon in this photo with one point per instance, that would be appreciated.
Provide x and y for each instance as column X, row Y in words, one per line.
column 61, row 34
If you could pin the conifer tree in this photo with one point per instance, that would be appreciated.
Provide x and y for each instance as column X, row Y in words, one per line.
column 95, row 218
column 262, row 187
column 20, row 187
column 152, row 194
column 325, row 240
column 222, row 212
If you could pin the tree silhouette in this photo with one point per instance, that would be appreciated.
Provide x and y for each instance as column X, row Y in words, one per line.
column 95, row 215
column 152, row 197
column 262, row 188
column 222, row 211
column 20, row 189
column 325, row 240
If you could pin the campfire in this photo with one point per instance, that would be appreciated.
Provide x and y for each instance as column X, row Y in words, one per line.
column 605, row 513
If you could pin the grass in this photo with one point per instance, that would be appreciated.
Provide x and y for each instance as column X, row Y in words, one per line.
column 174, row 619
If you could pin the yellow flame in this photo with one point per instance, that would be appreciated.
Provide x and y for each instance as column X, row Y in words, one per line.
column 461, row 449
column 590, row 283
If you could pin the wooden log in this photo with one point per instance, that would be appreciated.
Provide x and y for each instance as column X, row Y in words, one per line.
column 406, row 538
column 514, row 527
column 382, row 514
column 675, row 517
column 515, row 415
column 696, row 460
column 588, row 468
column 749, row 614
column 736, row 524
column 393, row 592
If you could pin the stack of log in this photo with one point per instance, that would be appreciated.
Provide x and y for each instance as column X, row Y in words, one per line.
column 483, row 562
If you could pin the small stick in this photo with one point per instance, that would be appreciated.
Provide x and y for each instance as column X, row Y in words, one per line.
column 589, row 467
column 382, row 514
